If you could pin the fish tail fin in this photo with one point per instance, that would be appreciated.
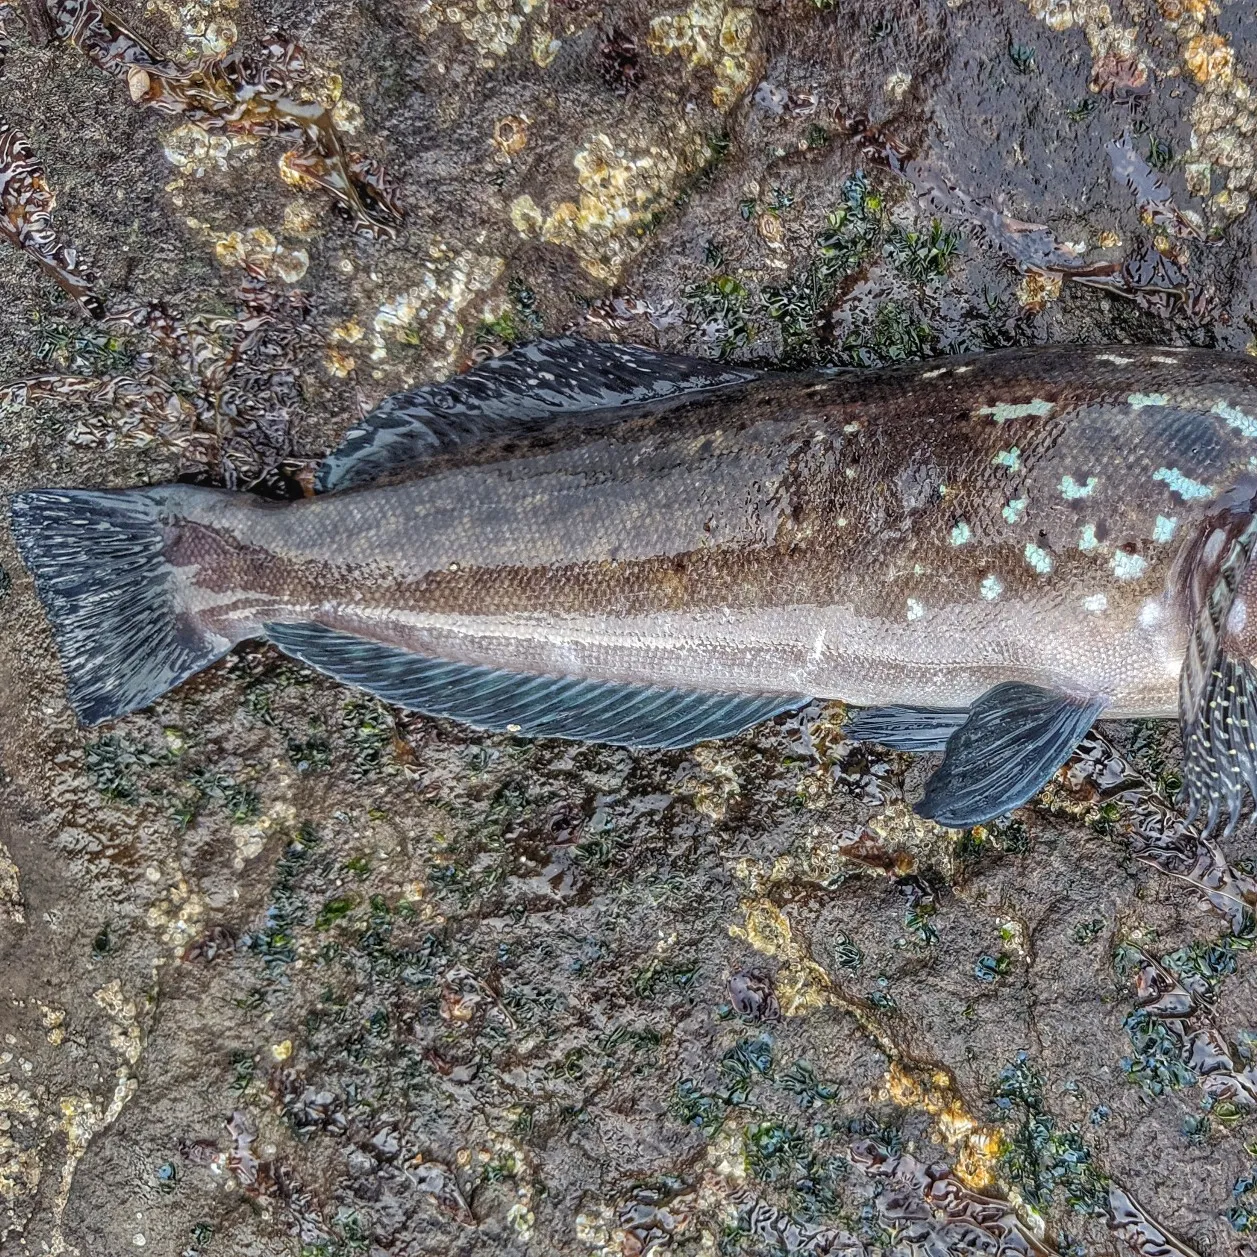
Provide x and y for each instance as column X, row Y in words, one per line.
column 99, row 563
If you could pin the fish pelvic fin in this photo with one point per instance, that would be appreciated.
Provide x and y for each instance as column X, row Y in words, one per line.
column 636, row 716
column 1015, row 739
column 1218, row 684
column 523, row 391
column 100, row 568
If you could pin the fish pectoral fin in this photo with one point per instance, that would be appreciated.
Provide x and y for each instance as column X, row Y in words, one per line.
column 523, row 390
column 1015, row 738
column 906, row 728
column 533, row 706
column 1218, row 688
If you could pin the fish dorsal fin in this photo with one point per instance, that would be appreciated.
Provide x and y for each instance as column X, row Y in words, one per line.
column 1218, row 687
column 534, row 706
column 1015, row 738
column 520, row 391
column 906, row 728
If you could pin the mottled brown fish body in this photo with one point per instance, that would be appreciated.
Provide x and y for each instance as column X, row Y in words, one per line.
column 909, row 535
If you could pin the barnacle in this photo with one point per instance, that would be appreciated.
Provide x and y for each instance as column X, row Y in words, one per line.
column 240, row 95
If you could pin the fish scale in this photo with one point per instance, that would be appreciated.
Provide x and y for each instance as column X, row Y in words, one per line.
column 599, row 541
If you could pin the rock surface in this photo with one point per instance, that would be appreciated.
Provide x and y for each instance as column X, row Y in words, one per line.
column 289, row 972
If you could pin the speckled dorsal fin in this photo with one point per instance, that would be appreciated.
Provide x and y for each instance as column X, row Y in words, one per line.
column 906, row 728
column 535, row 706
column 525, row 388
column 1013, row 741
column 1218, row 693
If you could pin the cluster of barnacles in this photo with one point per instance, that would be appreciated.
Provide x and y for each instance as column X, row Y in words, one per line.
column 232, row 418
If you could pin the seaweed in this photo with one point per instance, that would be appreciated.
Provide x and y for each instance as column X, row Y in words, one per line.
column 240, row 94
column 26, row 206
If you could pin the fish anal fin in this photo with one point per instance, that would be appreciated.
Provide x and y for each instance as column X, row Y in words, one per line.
column 533, row 706
column 525, row 389
column 906, row 728
column 1015, row 738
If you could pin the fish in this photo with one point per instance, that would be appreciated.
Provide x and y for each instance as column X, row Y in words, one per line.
column 982, row 555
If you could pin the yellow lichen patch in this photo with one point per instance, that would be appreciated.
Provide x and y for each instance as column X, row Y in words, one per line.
column 1209, row 57
column 715, row 35
column 975, row 1148
column 622, row 185
column 801, row 985
column 432, row 312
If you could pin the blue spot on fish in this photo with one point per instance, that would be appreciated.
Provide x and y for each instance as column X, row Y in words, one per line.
column 1015, row 511
column 1072, row 490
column 1038, row 558
column 960, row 533
column 1236, row 418
column 1163, row 529
column 1088, row 540
column 1001, row 412
column 1008, row 458
column 1188, row 489
column 1137, row 401
column 992, row 587
column 1127, row 566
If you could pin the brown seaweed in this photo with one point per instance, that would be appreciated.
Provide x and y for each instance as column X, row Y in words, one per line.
column 1159, row 835
column 26, row 205
column 242, row 95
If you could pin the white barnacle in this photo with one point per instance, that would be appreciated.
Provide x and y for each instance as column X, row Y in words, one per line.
column 992, row 587
column 1095, row 603
column 1010, row 458
column 1015, row 510
column 960, row 533
column 1127, row 566
column 1245, row 423
column 915, row 609
column 1072, row 490
column 1038, row 558
column 1001, row 412
column 1088, row 539
column 1137, row 401
column 1116, row 359
column 1188, row 489
column 1163, row 529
